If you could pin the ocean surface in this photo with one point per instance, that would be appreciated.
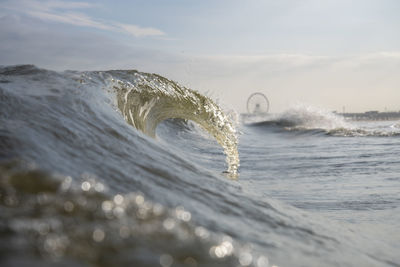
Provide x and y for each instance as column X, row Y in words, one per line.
column 123, row 168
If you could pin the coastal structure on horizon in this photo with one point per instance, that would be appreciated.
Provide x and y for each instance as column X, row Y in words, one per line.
column 373, row 115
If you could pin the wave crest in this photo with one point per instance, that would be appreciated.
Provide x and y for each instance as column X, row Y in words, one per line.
column 145, row 100
column 308, row 117
column 315, row 120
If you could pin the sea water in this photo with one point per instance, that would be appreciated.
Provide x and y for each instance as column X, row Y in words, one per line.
column 123, row 168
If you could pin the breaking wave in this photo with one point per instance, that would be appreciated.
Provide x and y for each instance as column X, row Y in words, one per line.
column 313, row 120
column 145, row 100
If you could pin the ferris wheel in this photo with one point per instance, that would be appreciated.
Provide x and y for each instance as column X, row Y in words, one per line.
column 257, row 104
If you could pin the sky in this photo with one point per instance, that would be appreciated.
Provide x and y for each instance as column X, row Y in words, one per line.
column 331, row 54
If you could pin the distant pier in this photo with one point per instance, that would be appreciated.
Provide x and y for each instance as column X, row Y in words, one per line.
column 372, row 116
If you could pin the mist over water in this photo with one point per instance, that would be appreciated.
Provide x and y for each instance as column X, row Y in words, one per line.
column 123, row 168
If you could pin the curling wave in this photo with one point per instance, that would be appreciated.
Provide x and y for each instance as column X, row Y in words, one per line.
column 145, row 100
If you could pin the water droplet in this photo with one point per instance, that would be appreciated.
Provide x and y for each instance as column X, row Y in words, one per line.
column 182, row 214
column 139, row 200
column 118, row 199
column 228, row 247
column 262, row 261
column 245, row 258
column 68, row 206
column 118, row 212
column 99, row 187
column 98, row 235
column 220, row 251
column 201, row 232
column 66, row 184
column 169, row 224
column 107, row 206
column 85, row 186
column 166, row 260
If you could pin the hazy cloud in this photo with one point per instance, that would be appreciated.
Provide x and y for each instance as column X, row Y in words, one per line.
column 27, row 40
column 138, row 31
column 359, row 82
column 62, row 12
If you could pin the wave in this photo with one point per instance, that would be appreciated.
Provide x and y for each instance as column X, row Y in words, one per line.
column 308, row 119
column 88, row 166
column 145, row 100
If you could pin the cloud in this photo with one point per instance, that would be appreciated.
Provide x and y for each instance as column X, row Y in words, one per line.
column 27, row 40
column 61, row 12
column 138, row 31
column 49, row 5
column 76, row 19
